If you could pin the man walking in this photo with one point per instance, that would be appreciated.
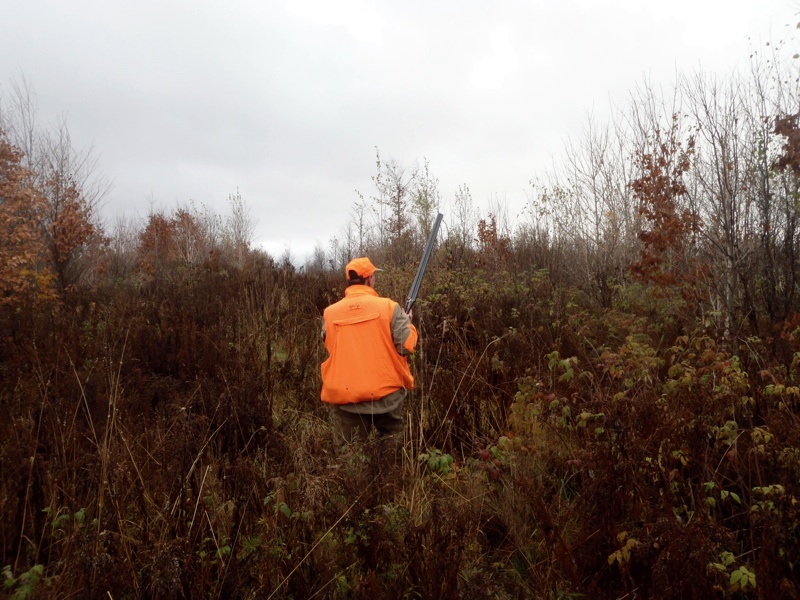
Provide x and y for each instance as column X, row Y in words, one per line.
column 366, row 377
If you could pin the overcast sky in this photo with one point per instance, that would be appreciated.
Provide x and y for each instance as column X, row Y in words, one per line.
column 286, row 100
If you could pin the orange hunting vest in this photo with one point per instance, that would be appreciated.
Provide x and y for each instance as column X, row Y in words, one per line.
column 364, row 364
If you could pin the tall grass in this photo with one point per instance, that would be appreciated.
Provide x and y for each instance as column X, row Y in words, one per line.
column 164, row 438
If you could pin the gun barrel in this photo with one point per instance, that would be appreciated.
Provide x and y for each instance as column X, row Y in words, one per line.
column 412, row 295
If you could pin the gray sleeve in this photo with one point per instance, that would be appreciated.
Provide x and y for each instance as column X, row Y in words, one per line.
column 401, row 329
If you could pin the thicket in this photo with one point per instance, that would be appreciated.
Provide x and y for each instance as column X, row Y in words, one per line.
column 606, row 399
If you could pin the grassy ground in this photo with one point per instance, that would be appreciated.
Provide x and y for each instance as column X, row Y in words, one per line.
column 163, row 438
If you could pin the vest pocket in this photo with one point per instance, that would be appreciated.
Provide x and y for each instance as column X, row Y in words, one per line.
column 355, row 320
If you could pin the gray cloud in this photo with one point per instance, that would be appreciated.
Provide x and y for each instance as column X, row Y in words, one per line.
column 286, row 101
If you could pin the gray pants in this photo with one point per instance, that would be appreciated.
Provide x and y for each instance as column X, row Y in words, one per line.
column 350, row 426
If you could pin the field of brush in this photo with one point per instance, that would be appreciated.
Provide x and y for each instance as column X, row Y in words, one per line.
column 607, row 386
column 162, row 437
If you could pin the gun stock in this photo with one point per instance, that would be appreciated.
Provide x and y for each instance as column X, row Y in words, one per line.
column 412, row 295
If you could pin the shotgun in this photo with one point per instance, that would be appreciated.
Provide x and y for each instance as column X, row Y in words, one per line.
column 412, row 295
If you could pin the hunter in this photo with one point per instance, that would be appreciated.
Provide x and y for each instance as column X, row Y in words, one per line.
column 366, row 376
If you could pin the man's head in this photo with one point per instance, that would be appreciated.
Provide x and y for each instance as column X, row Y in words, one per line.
column 360, row 270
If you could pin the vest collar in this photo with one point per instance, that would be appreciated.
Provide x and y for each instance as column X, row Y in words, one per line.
column 359, row 290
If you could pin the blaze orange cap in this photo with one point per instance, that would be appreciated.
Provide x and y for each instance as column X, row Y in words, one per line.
column 362, row 267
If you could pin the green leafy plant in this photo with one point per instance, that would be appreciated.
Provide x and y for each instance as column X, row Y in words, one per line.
column 25, row 585
column 437, row 461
